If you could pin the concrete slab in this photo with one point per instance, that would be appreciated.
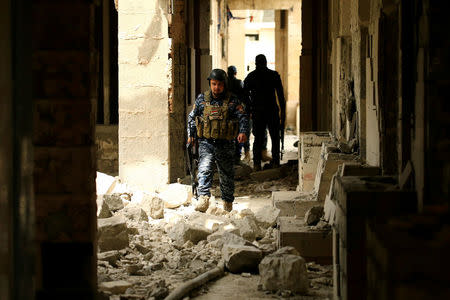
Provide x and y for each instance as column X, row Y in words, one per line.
column 312, row 244
column 292, row 203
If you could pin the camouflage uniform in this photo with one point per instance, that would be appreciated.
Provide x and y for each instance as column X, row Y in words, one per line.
column 219, row 151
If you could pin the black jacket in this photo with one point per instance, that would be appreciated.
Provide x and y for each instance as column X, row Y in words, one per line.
column 260, row 87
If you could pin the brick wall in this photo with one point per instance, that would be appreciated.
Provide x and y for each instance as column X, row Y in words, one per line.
column 64, row 61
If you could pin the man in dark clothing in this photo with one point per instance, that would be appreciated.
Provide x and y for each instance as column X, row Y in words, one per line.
column 261, row 85
column 236, row 86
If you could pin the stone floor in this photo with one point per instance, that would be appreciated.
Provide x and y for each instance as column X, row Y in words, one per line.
column 167, row 266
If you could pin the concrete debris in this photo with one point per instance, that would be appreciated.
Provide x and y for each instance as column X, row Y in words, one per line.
column 112, row 233
column 153, row 206
column 134, row 269
column 142, row 249
column 176, row 195
column 183, row 232
column 267, row 216
column 246, row 213
column 157, row 290
column 209, row 222
column 240, row 258
column 110, row 256
column 178, row 244
column 134, row 213
column 248, row 229
column 115, row 287
column 114, row 201
column 227, row 238
column 216, row 211
column 284, row 270
column 313, row 215
column 269, row 174
column 103, row 210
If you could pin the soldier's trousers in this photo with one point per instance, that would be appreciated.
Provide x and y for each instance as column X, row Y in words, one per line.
column 221, row 153
column 260, row 123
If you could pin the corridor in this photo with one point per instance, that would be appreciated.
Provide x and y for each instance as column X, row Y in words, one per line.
column 95, row 98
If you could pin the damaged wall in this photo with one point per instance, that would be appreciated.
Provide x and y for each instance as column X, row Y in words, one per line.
column 144, row 82
column 106, row 140
column 64, row 66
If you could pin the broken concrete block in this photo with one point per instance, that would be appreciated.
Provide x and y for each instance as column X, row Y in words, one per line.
column 270, row 174
column 114, row 201
column 284, row 270
column 176, row 195
column 228, row 238
column 292, row 203
column 240, row 258
column 134, row 213
column 216, row 211
column 110, row 256
column 209, row 222
column 142, row 249
column 103, row 210
column 267, row 216
column 248, row 229
column 153, row 206
column 312, row 244
column 112, row 234
column 246, row 212
column 313, row 215
column 182, row 232
column 115, row 287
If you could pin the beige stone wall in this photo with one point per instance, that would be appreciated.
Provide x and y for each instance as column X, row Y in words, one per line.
column 294, row 50
column 293, row 47
column 236, row 44
column 144, row 81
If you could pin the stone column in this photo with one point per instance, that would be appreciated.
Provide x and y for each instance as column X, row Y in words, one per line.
column 144, row 82
column 64, row 95
column 294, row 41
column 177, row 105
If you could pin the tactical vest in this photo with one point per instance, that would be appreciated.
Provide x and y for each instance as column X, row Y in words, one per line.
column 216, row 122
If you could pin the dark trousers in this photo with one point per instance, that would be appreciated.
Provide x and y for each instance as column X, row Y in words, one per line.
column 260, row 123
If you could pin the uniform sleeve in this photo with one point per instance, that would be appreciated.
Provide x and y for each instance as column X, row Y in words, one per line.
column 238, row 112
column 246, row 99
column 196, row 111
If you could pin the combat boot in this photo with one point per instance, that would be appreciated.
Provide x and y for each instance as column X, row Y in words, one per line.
column 265, row 156
column 202, row 203
column 256, row 166
column 227, row 206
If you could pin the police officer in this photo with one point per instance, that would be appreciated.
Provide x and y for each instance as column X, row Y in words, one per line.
column 216, row 120
column 236, row 87
column 261, row 85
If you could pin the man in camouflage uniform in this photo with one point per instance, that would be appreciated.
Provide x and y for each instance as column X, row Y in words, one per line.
column 216, row 120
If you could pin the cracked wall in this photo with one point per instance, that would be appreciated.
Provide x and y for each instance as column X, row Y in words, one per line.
column 144, row 82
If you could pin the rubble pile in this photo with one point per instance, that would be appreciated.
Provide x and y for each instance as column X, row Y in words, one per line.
column 151, row 243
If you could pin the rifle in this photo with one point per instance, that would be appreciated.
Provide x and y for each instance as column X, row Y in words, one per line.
column 192, row 156
column 282, row 139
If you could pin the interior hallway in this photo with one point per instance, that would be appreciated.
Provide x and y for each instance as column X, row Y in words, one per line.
column 373, row 73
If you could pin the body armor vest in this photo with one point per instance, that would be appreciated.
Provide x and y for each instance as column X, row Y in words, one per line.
column 216, row 122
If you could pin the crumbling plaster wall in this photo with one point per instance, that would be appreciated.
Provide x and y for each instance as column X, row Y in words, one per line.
column 144, row 82
column 354, row 58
